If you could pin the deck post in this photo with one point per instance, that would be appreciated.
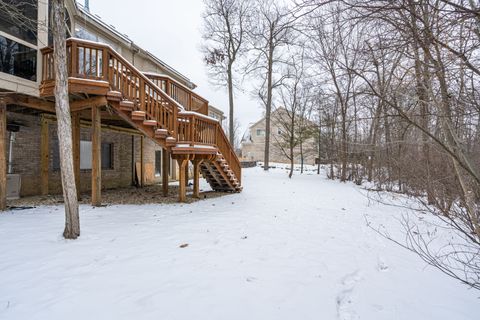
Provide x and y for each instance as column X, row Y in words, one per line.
column 3, row 156
column 76, row 149
column 96, row 157
column 44, row 156
column 186, row 175
column 182, row 190
column 142, row 160
column 165, row 162
column 196, row 178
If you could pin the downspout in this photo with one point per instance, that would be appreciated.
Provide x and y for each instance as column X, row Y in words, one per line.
column 10, row 152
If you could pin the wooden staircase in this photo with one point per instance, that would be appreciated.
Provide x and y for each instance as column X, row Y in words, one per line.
column 141, row 101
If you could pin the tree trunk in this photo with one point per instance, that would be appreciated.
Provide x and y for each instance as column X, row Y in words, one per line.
column 319, row 141
column 62, row 108
column 343, row 177
column 292, row 143
column 268, row 107
column 301, row 155
column 231, row 128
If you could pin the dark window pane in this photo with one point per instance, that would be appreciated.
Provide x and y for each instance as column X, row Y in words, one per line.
column 17, row 59
column 158, row 162
column 107, row 153
column 20, row 20
column 55, row 153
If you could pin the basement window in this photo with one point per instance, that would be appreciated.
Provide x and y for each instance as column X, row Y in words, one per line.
column 158, row 163
column 86, row 156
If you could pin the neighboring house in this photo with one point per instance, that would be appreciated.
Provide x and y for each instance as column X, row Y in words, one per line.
column 148, row 118
column 253, row 142
column 216, row 113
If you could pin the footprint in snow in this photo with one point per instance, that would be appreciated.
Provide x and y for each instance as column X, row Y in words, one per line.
column 345, row 298
column 382, row 266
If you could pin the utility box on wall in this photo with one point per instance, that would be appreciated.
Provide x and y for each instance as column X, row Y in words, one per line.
column 14, row 182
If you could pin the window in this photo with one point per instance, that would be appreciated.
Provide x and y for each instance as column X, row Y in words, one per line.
column 107, row 155
column 17, row 59
column 84, row 33
column 260, row 133
column 214, row 115
column 68, row 23
column 22, row 23
column 279, row 131
column 158, row 163
column 86, row 156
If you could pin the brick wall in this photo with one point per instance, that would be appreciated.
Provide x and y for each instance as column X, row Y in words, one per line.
column 26, row 157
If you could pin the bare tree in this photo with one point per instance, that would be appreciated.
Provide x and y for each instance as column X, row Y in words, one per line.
column 288, row 117
column 224, row 34
column 417, row 92
column 271, row 29
column 62, row 108
column 334, row 49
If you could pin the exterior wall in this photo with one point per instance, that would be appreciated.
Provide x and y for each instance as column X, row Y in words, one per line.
column 254, row 148
column 26, row 157
column 150, row 148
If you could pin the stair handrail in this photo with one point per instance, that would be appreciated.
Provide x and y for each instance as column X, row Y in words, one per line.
column 171, row 83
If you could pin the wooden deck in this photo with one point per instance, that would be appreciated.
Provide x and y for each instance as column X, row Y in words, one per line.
column 156, row 106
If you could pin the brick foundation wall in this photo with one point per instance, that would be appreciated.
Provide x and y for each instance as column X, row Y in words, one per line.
column 26, row 157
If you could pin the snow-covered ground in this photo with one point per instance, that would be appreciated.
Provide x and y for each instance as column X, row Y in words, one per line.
column 281, row 249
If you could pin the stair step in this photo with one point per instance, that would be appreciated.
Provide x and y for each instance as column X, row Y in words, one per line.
column 126, row 105
column 114, row 96
column 138, row 115
column 151, row 123
column 161, row 133
column 170, row 141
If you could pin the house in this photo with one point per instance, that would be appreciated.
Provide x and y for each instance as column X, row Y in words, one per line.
column 216, row 113
column 135, row 119
column 253, row 141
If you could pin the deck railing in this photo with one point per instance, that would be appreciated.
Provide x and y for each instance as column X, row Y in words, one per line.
column 180, row 93
column 159, row 97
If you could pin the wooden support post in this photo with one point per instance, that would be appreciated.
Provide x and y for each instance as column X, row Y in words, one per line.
column 76, row 149
column 142, row 160
column 186, row 175
column 96, row 157
column 44, row 156
column 3, row 155
column 182, row 190
column 165, row 171
column 196, row 178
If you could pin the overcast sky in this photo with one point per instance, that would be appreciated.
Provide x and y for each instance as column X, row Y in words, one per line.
column 171, row 30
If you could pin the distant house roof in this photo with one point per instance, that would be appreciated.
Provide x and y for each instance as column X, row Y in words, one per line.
column 210, row 107
column 263, row 118
column 96, row 19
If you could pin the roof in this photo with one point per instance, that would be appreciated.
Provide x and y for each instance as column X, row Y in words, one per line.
column 96, row 19
column 279, row 109
column 215, row 109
